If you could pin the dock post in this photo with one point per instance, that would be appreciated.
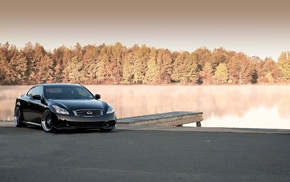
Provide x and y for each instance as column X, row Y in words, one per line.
column 198, row 124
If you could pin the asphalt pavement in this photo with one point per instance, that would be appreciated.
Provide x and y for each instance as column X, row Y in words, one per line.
column 144, row 154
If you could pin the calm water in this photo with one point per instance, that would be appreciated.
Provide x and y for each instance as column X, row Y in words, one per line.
column 223, row 106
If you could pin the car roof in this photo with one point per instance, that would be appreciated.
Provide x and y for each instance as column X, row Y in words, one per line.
column 58, row 84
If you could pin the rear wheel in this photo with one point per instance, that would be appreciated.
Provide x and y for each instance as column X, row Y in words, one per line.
column 18, row 119
column 47, row 121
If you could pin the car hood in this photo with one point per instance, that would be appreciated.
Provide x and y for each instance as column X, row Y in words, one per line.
column 81, row 104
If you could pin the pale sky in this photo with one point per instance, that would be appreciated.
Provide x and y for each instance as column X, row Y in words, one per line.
column 255, row 27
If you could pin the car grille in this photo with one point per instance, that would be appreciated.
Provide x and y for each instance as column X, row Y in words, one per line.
column 88, row 112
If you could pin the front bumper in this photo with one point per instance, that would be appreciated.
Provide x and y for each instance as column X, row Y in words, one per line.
column 107, row 121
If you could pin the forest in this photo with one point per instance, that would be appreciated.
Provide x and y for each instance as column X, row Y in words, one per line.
column 118, row 64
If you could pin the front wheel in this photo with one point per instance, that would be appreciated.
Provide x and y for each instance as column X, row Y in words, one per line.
column 18, row 121
column 47, row 121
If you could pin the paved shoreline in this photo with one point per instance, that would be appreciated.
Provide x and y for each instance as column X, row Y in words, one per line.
column 195, row 129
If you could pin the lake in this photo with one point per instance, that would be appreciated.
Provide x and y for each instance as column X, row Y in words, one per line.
column 247, row 106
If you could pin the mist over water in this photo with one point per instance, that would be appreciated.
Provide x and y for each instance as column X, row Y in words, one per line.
column 222, row 106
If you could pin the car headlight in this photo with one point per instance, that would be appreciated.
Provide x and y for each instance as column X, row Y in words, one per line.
column 60, row 110
column 110, row 109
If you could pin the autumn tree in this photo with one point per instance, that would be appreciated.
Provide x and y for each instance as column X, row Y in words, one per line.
column 102, row 66
column 206, row 74
column 191, row 75
column 284, row 66
column 18, row 69
column 128, row 65
column 221, row 74
column 3, row 63
column 164, row 66
column 151, row 74
column 59, row 57
column 240, row 69
column 90, row 61
column 268, row 71
column 116, row 61
column 13, row 75
column 184, row 68
column 73, row 71
column 140, row 63
column 202, row 56
column 43, row 65
column 220, row 55
column 100, row 72
column 28, row 51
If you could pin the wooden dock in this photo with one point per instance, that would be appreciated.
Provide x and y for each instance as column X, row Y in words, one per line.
column 173, row 119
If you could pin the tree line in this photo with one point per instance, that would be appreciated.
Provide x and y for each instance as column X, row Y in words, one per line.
column 118, row 64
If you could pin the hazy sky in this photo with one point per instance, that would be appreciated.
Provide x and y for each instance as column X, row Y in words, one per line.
column 255, row 27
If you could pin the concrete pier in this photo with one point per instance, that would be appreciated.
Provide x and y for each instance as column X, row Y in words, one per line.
column 173, row 119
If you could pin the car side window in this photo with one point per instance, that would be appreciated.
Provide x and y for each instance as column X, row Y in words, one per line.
column 35, row 91
column 30, row 92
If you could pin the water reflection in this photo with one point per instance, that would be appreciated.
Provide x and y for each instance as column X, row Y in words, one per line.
column 223, row 106
column 261, row 117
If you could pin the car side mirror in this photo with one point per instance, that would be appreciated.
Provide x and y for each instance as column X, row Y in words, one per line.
column 36, row 97
column 97, row 96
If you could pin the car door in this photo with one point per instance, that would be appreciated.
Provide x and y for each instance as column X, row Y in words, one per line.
column 35, row 107
column 25, row 105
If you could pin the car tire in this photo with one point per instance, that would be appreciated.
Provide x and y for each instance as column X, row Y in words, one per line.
column 18, row 117
column 46, row 121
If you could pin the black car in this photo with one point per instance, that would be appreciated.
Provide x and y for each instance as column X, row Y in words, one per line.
column 58, row 106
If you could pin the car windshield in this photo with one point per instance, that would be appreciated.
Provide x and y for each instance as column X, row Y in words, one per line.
column 67, row 92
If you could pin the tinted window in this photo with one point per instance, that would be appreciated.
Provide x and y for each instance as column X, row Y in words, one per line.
column 35, row 91
column 83, row 92
column 67, row 92
column 30, row 92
